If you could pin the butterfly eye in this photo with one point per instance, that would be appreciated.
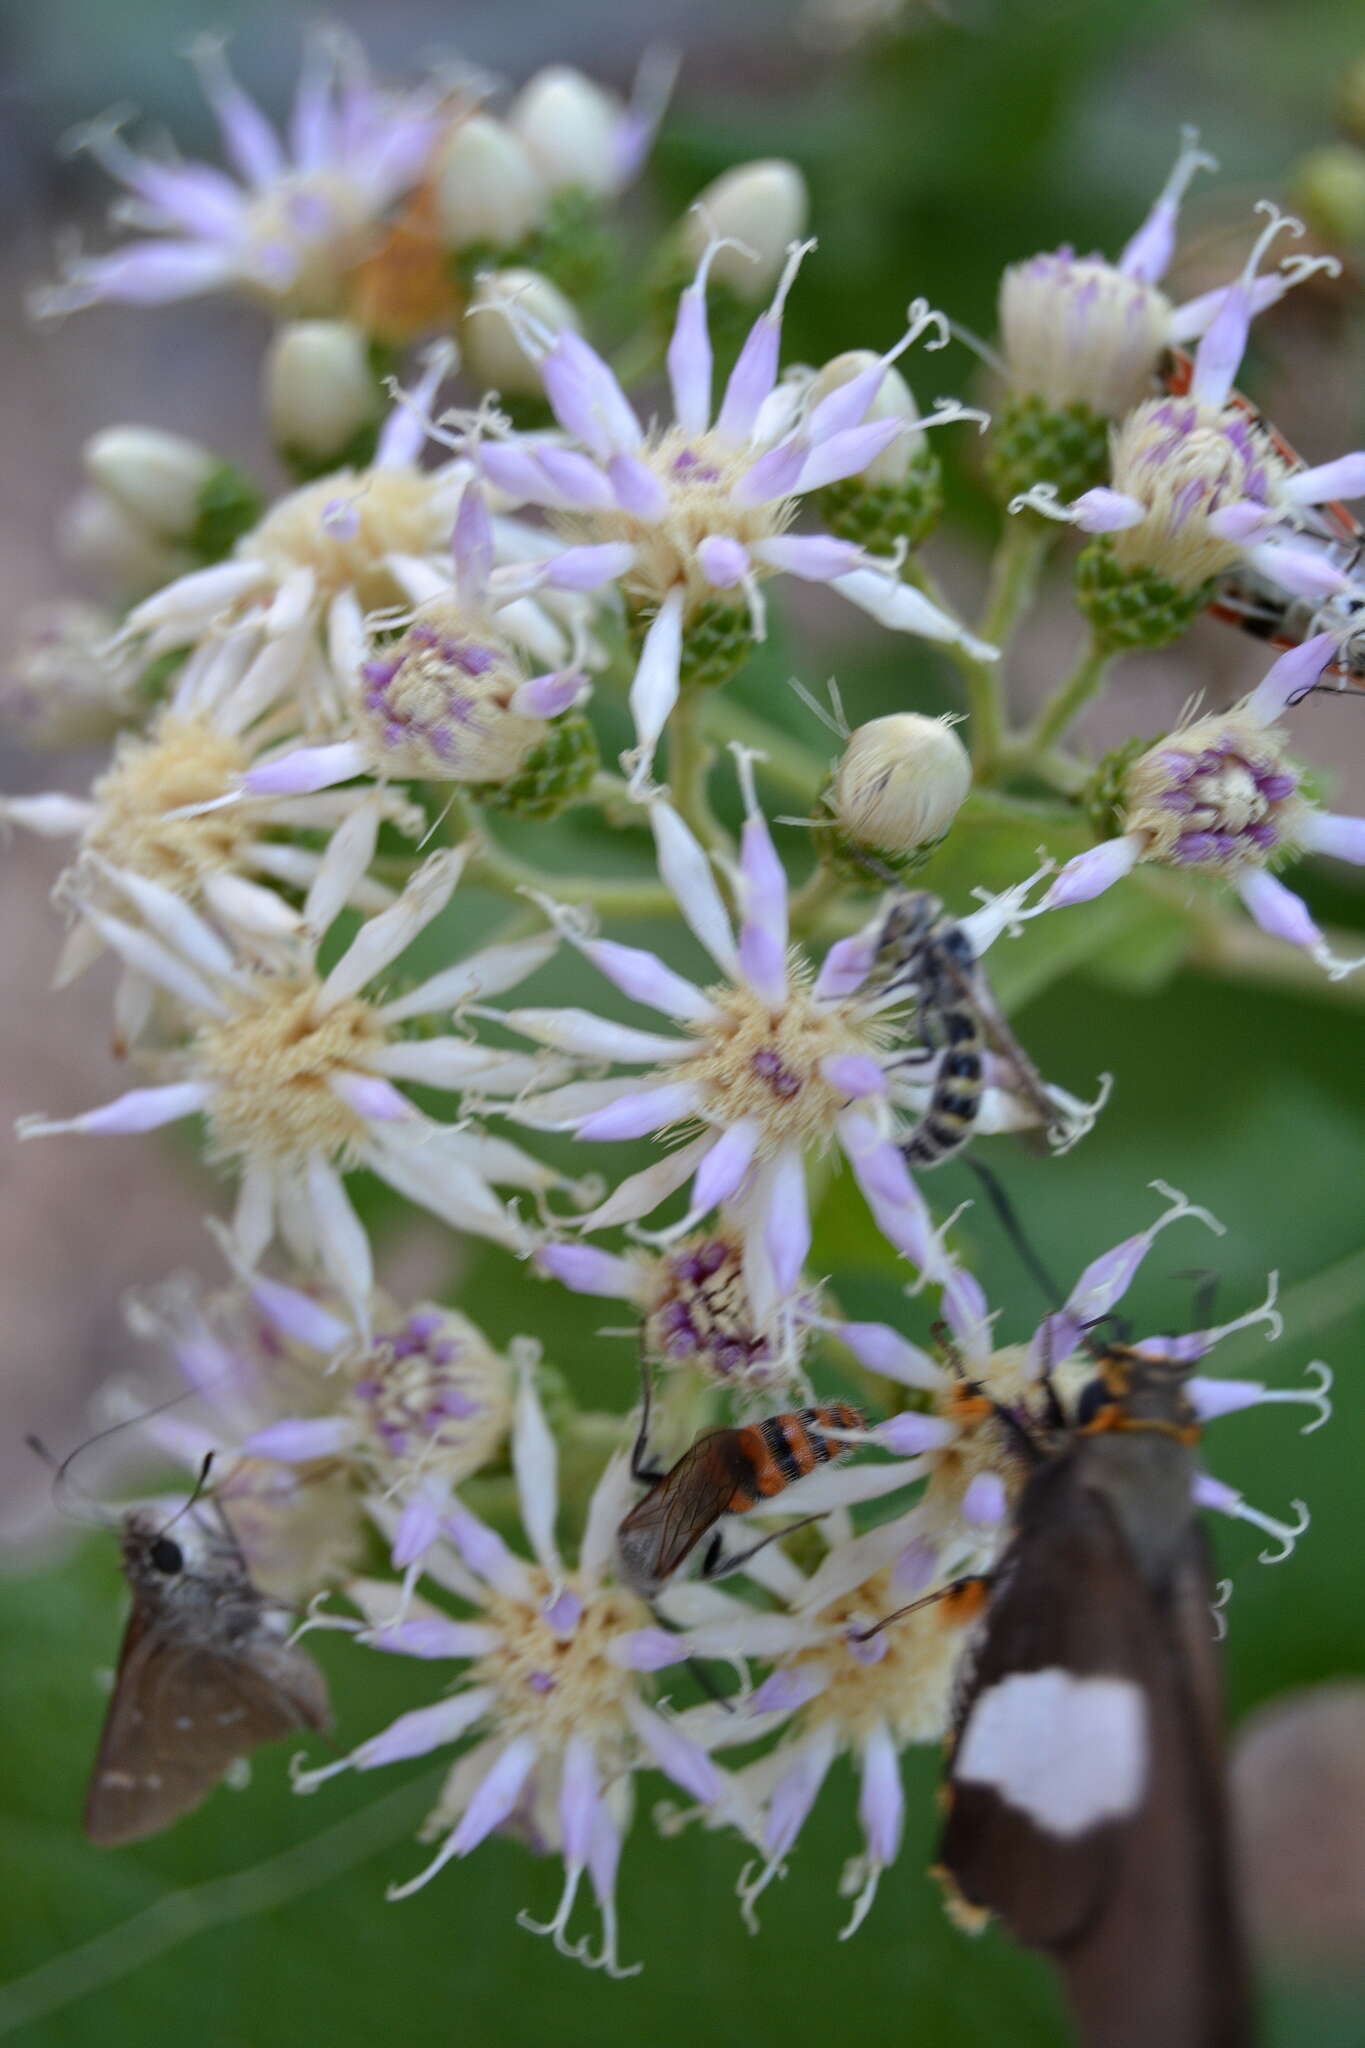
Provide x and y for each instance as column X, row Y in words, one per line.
column 168, row 1557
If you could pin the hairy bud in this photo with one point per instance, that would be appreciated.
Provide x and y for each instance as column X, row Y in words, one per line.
column 900, row 784
column 765, row 206
column 489, row 194
column 157, row 478
column 569, row 128
column 493, row 357
column 320, row 390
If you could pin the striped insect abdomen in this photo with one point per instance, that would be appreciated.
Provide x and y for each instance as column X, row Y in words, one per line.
column 948, row 1122
column 780, row 1450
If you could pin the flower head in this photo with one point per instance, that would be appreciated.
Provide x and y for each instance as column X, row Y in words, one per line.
column 294, row 1070
column 553, row 1692
column 768, row 1065
column 66, row 683
column 1220, row 796
column 699, row 508
column 298, row 217
column 1197, row 484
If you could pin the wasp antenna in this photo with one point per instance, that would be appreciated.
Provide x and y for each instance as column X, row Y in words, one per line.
column 1014, row 1231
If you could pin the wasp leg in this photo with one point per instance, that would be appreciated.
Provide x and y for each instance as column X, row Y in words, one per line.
column 640, row 1469
column 973, row 1586
column 716, row 1566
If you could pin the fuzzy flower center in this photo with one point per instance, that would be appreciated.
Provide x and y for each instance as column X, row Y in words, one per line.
column 551, row 1670
column 1221, row 794
column 432, row 1394
column 1184, row 461
column 901, row 1676
column 344, row 527
column 700, row 1313
column 184, row 761
column 272, row 1064
column 699, row 473
column 437, row 700
column 1077, row 330
column 300, row 236
column 764, row 1065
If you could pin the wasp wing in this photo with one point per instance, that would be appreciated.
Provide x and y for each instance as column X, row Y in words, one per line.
column 1114, row 1862
column 690, row 1499
column 181, row 1712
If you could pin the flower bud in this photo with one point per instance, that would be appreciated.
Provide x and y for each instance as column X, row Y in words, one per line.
column 493, row 357
column 488, row 192
column 894, row 401
column 901, row 782
column 114, row 552
column 157, row 478
column 765, row 206
column 320, row 390
column 67, row 685
column 899, row 496
column 1134, row 604
column 1329, row 188
column 570, row 128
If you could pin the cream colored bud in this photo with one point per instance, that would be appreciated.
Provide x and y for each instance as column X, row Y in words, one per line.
column 894, row 401
column 493, row 357
column 319, row 387
column 487, row 188
column 901, row 782
column 156, row 477
column 114, row 552
column 763, row 204
column 570, row 129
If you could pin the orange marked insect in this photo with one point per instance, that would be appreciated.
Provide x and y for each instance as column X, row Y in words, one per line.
column 725, row 1472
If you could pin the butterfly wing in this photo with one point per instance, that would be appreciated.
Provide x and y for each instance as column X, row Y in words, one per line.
column 181, row 1712
column 1085, row 1800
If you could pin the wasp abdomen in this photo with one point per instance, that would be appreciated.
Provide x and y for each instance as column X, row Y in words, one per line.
column 783, row 1448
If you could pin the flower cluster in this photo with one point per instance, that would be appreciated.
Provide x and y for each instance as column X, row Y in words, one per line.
column 339, row 710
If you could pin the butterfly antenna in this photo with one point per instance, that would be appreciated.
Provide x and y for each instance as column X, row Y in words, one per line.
column 197, row 1495
column 1204, row 1296
column 67, row 1496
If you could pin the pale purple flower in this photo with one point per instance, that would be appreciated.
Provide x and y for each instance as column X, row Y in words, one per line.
column 1221, row 797
column 297, row 1071
column 1081, row 330
column 554, row 1694
column 1197, row 486
column 700, row 507
column 296, row 216
column 767, row 1066
column 153, row 811
column 65, row 684
column 447, row 694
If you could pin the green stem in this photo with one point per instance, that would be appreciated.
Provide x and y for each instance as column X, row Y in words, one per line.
column 1086, row 680
column 785, row 761
column 1015, row 568
column 493, row 867
column 815, row 898
column 689, row 763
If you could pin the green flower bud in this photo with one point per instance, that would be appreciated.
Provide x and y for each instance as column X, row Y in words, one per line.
column 1133, row 607
column 553, row 776
column 1031, row 441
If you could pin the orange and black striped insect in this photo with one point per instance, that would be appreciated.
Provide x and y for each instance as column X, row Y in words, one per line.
column 725, row 1472
column 1256, row 605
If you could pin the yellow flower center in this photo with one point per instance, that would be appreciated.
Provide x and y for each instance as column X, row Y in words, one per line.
column 1184, row 461
column 309, row 228
column 553, row 1685
column 699, row 474
column 902, row 1676
column 183, row 761
column 272, row 1063
column 343, row 527
column 763, row 1066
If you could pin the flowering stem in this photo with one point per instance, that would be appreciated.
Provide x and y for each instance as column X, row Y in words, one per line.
column 1086, row 680
column 1018, row 561
column 689, row 762
column 817, row 895
column 785, row 761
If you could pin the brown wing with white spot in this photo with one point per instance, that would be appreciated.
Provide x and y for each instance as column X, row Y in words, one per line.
column 182, row 1712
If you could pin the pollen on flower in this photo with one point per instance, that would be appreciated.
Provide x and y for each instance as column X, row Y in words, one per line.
column 1007, row 1379
column 901, row 1677
column 1183, row 461
column 343, row 527
column 182, row 762
column 551, row 1670
column 432, row 1395
column 699, row 1313
column 1219, row 794
column 438, row 699
column 700, row 474
column 763, row 1065
column 272, row 1064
